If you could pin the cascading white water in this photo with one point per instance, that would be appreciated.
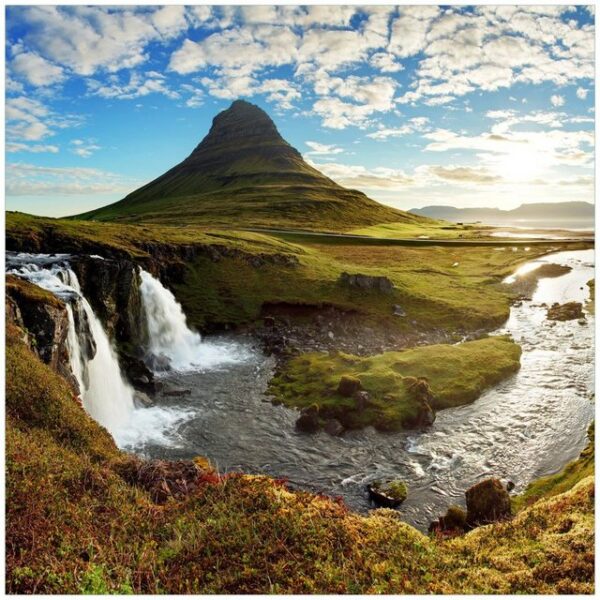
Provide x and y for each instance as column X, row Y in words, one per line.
column 170, row 337
column 106, row 396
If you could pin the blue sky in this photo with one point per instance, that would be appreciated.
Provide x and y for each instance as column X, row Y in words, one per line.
column 414, row 105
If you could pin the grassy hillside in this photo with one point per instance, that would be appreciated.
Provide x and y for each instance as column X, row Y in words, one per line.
column 83, row 517
column 439, row 288
column 245, row 174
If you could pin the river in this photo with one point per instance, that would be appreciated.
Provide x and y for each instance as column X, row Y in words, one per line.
column 529, row 426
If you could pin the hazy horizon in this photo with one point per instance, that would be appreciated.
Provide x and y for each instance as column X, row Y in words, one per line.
column 489, row 106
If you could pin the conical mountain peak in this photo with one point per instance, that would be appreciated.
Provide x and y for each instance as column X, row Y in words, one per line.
column 244, row 173
column 242, row 123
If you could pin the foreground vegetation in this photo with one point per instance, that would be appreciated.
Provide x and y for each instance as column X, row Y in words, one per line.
column 397, row 382
column 81, row 519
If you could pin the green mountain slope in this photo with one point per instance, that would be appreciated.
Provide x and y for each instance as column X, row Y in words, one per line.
column 244, row 173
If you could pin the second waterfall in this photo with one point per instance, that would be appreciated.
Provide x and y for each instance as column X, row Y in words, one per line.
column 171, row 343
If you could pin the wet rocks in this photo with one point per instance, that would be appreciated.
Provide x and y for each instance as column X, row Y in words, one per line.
column 158, row 362
column 487, row 502
column 362, row 400
column 112, row 287
column 308, row 421
column 565, row 312
column 348, row 386
column 389, row 494
column 367, row 282
column 142, row 399
column 424, row 416
column 45, row 321
column 138, row 373
column 334, row 427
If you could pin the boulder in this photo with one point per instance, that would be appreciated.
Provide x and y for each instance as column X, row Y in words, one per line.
column 138, row 373
column 308, row 422
column 334, row 427
column 565, row 312
column 158, row 362
column 455, row 520
column 348, row 385
column 388, row 493
column 487, row 502
column 141, row 399
column 367, row 282
column 362, row 400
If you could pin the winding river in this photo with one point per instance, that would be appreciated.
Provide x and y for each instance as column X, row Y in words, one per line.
column 529, row 426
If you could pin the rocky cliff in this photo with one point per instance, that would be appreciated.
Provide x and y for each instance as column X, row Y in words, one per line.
column 41, row 320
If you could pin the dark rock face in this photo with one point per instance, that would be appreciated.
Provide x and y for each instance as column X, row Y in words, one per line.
column 565, row 312
column 46, row 323
column 367, row 282
column 425, row 415
column 139, row 375
column 308, row 421
column 112, row 287
column 487, row 502
column 362, row 400
column 334, row 427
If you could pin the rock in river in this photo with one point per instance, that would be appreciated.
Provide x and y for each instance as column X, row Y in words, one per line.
column 565, row 312
column 388, row 493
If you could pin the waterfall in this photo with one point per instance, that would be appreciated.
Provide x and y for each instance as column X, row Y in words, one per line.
column 171, row 343
column 106, row 396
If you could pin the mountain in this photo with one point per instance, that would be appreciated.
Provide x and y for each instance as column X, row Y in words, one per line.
column 540, row 214
column 244, row 173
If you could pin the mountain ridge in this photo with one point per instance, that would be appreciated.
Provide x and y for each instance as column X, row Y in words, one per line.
column 244, row 172
column 537, row 211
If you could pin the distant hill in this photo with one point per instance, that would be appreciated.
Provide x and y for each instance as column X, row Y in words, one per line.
column 541, row 214
column 244, row 173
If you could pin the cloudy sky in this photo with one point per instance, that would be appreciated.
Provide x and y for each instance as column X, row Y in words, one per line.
column 485, row 106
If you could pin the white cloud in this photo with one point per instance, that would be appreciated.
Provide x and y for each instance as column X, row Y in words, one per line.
column 411, row 126
column 87, row 39
column 356, row 176
column 318, row 149
column 24, row 179
column 137, row 86
column 557, row 100
column 582, row 93
column 385, row 62
column 35, row 69
column 84, row 148
column 28, row 120
column 14, row 147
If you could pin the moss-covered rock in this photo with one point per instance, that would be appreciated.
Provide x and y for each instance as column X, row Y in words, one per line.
column 388, row 493
column 487, row 502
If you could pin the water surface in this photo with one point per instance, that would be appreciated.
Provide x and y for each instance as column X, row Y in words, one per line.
column 529, row 426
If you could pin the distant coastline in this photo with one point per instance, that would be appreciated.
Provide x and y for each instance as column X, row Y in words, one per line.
column 574, row 216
